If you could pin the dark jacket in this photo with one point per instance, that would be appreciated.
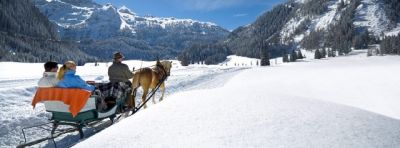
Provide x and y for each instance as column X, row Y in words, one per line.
column 119, row 72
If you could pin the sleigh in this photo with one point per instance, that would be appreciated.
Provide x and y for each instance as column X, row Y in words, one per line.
column 76, row 108
column 69, row 105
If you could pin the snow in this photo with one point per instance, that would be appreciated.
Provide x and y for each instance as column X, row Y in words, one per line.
column 106, row 19
column 349, row 101
column 125, row 9
column 170, row 21
column 18, row 83
column 318, row 22
column 108, row 6
column 298, row 38
column 328, row 17
column 239, row 61
column 290, row 27
column 370, row 14
column 125, row 25
column 393, row 32
column 234, row 60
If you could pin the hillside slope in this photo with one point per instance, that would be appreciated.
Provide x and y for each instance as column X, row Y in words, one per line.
column 26, row 35
column 313, row 24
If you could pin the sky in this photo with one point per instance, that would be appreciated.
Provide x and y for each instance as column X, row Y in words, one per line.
column 228, row 14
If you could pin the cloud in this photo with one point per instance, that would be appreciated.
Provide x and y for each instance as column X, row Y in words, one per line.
column 209, row 5
column 240, row 15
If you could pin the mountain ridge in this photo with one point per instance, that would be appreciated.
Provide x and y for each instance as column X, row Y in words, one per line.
column 96, row 24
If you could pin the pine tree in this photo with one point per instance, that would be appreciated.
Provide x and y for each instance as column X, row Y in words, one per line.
column 300, row 55
column 323, row 53
column 317, row 54
column 369, row 53
column 264, row 55
column 285, row 57
column 293, row 56
column 341, row 5
column 184, row 60
column 330, row 53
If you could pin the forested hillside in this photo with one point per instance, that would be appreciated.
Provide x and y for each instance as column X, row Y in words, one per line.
column 337, row 26
column 26, row 35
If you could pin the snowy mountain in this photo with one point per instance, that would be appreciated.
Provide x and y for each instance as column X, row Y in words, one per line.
column 89, row 22
column 369, row 14
column 337, row 24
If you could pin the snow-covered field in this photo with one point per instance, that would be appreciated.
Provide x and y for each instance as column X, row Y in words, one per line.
column 18, row 83
column 349, row 101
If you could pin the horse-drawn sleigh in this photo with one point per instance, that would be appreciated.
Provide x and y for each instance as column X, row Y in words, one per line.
column 78, row 108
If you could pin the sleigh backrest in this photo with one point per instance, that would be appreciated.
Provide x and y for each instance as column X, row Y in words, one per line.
column 71, row 100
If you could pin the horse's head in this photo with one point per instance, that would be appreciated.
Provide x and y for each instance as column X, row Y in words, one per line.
column 167, row 66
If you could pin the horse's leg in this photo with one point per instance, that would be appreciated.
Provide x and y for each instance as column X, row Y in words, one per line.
column 145, row 91
column 132, row 100
column 154, row 96
column 135, row 85
column 162, row 86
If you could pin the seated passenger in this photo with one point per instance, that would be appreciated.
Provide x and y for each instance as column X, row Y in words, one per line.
column 68, row 79
column 49, row 78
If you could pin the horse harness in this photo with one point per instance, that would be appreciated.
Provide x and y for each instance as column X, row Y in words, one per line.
column 160, row 71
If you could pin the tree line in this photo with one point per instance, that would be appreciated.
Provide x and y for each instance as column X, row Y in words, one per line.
column 392, row 8
column 256, row 40
column 204, row 53
column 22, row 48
column 390, row 45
column 24, row 18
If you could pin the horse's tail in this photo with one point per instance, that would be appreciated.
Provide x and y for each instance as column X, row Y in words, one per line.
column 135, row 80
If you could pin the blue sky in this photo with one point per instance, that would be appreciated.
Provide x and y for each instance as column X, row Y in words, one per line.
column 229, row 14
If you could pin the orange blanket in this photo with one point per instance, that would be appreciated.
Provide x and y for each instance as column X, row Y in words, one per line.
column 74, row 97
